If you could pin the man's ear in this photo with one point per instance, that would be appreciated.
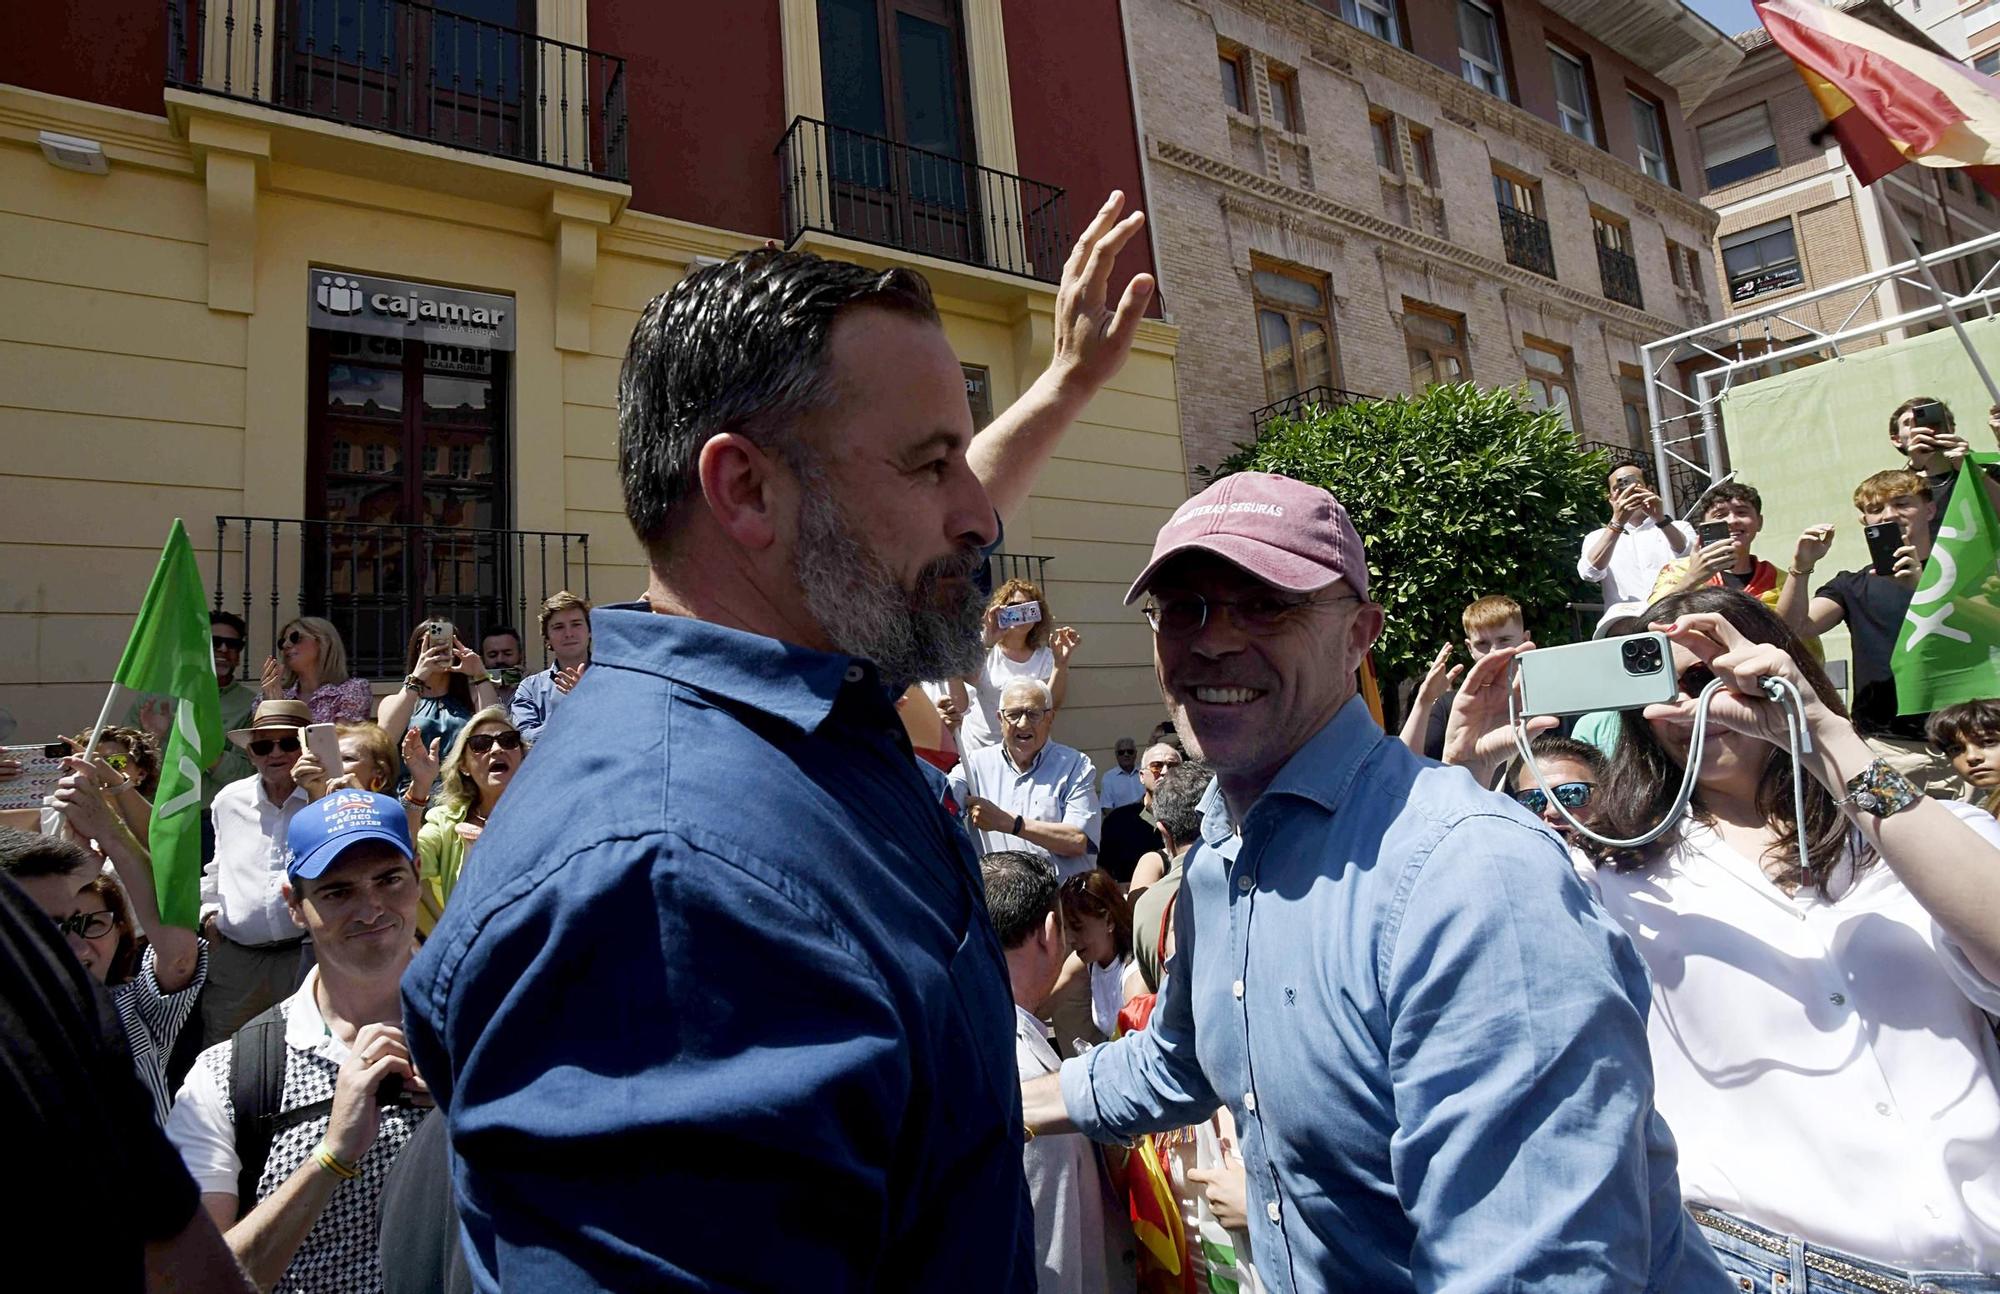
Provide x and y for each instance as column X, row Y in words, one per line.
column 737, row 480
column 1166, row 840
column 294, row 902
column 1051, row 933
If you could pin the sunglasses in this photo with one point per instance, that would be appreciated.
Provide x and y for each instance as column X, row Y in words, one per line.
column 90, row 925
column 293, row 639
column 265, row 745
column 1571, row 795
column 116, row 760
column 481, row 742
column 220, row 643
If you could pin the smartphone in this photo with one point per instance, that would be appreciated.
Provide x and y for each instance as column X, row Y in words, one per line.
column 58, row 749
column 1928, row 415
column 324, row 743
column 1712, row 532
column 439, row 633
column 1610, row 674
column 1884, row 538
column 1025, row 613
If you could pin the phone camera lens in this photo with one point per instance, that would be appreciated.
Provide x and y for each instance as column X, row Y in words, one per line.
column 1641, row 656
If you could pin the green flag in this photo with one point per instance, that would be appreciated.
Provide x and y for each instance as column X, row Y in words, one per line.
column 169, row 656
column 1949, row 649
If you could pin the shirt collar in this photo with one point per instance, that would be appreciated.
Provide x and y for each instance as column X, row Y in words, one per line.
column 1319, row 771
column 781, row 679
column 1007, row 762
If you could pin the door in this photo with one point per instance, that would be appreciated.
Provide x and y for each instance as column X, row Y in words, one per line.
column 406, row 469
column 899, row 144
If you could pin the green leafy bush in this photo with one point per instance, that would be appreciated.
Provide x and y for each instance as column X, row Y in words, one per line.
column 1458, row 493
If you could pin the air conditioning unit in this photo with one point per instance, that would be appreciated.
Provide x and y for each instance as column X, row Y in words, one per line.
column 74, row 154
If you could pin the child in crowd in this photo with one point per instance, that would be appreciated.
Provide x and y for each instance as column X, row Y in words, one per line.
column 1968, row 734
column 1571, row 771
column 1491, row 623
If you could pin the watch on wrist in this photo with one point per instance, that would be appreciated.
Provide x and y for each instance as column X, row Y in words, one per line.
column 1880, row 790
column 1017, row 825
column 413, row 683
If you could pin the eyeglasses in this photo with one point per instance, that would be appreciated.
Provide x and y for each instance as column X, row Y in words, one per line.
column 1571, row 795
column 89, row 925
column 481, row 742
column 265, row 745
column 1021, row 716
column 116, row 760
column 1257, row 613
column 293, row 639
column 220, row 643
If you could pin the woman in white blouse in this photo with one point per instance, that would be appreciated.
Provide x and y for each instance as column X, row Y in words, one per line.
column 1822, row 1047
column 1027, row 649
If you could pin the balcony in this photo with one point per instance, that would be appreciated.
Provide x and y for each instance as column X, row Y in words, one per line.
column 378, row 582
column 411, row 71
column 1313, row 397
column 1526, row 238
column 875, row 190
column 1620, row 276
column 1032, row 567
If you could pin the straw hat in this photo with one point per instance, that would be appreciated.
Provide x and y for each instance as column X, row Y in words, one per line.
column 274, row 717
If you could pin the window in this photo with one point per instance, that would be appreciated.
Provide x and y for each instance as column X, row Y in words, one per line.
column 1423, row 157
column 1738, row 146
column 1632, row 397
column 1684, row 265
column 1383, row 130
column 1435, row 340
column 1294, row 328
column 1572, row 95
column 1617, row 272
column 1284, row 99
column 1652, row 138
column 1479, row 57
column 1517, row 194
column 1760, row 260
column 1987, row 64
column 1551, row 379
column 1953, row 183
column 1235, row 80
column 1524, row 233
column 1376, row 17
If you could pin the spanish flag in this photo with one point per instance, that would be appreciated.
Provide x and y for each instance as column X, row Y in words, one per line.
column 1886, row 100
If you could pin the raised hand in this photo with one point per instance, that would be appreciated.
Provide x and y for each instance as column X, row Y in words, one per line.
column 1718, row 556
column 569, row 678
column 1742, row 665
column 1062, row 642
column 379, row 1051
column 1438, row 680
column 1091, row 339
column 156, row 715
column 421, row 761
column 274, row 679
column 81, row 803
column 1908, row 567
column 1478, row 735
column 1814, row 542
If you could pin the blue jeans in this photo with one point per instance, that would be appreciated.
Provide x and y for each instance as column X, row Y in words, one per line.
column 1765, row 1262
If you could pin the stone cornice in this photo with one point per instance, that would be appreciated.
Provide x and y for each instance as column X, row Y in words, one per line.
column 1420, row 246
column 1344, row 49
column 1278, row 217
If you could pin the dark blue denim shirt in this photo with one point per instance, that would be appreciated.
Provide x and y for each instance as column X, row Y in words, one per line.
column 716, row 1004
column 1432, row 1038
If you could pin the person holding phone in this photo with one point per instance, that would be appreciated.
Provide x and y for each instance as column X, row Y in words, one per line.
column 1872, row 603
column 445, row 684
column 1924, row 431
column 1626, row 553
column 1731, row 520
column 1021, row 641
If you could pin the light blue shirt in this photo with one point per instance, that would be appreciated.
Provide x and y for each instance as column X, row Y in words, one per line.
column 1432, row 1038
column 534, row 703
column 1058, row 785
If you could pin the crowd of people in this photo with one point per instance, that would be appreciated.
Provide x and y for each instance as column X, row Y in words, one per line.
column 703, row 982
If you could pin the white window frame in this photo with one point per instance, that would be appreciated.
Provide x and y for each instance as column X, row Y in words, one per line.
column 1652, row 161
column 1376, row 17
column 1576, row 120
column 1490, row 77
column 1735, row 120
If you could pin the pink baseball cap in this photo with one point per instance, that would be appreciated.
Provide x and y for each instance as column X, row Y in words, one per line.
column 1288, row 534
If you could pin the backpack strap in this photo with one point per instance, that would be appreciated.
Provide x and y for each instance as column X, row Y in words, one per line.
column 256, row 1090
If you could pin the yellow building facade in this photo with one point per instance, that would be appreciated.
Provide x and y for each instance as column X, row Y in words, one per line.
column 156, row 361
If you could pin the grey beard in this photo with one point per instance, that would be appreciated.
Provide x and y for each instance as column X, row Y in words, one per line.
column 911, row 635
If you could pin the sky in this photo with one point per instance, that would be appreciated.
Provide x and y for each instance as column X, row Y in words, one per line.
column 1732, row 16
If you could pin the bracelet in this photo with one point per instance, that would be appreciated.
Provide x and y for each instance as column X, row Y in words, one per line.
column 475, row 682
column 325, row 1159
column 1017, row 826
column 413, row 683
column 415, row 803
column 1880, row 790
column 1797, row 574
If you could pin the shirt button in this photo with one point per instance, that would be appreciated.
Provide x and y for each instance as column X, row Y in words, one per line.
column 1237, row 989
column 1243, row 883
column 1934, row 1210
column 1271, row 1210
column 1250, row 1102
column 855, row 673
column 1882, row 1107
column 1838, row 999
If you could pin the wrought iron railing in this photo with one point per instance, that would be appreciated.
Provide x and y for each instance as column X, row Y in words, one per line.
column 1620, row 276
column 840, row 181
column 1292, row 405
column 378, row 582
column 1684, row 483
column 1018, row 566
column 1526, row 238
column 411, row 70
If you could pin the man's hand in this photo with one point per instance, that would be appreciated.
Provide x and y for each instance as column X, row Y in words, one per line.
column 156, row 715
column 1908, row 567
column 1933, row 451
column 1438, row 680
column 1718, row 556
column 1091, row 341
column 951, row 712
column 379, row 1051
column 986, row 815
column 569, row 678
column 83, row 807
column 306, row 771
column 1062, row 642
column 1227, row 1188
column 1814, row 542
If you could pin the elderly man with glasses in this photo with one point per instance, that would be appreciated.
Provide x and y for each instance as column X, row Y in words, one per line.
column 1432, row 1039
column 1029, row 792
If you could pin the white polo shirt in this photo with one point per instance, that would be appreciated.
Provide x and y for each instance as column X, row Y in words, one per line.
column 244, row 883
column 1826, row 1067
column 1059, row 785
column 1636, row 559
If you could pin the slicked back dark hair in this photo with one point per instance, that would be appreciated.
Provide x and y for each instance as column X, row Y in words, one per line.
column 27, row 855
column 1177, row 799
column 1020, row 893
column 736, row 347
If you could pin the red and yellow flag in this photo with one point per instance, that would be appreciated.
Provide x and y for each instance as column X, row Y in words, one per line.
column 1887, row 100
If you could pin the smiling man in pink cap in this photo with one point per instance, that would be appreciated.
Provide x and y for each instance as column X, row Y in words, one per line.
column 1433, row 1042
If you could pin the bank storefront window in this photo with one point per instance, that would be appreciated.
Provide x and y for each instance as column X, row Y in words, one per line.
column 407, row 459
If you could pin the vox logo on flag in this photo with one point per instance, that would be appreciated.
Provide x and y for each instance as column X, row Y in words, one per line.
column 1949, row 647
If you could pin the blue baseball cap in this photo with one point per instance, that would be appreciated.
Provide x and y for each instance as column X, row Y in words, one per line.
column 325, row 829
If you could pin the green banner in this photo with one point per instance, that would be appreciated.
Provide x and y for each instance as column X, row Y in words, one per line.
column 169, row 655
column 1949, row 650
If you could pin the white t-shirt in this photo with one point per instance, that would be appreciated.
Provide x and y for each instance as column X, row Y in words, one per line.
column 1825, row 1066
column 981, row 727
column 1107, row 994
column 1064, row 1185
